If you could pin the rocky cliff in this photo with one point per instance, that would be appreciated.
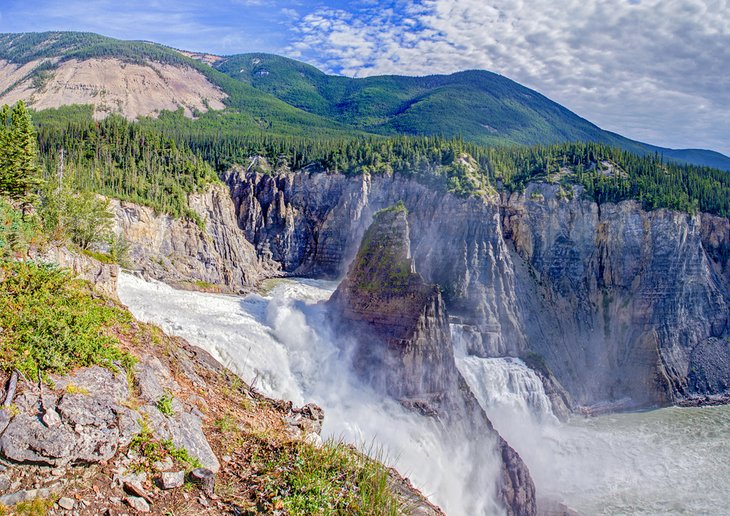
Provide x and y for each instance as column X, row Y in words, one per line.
column 626, row 307
column 403, row 346
column 214, row 255
column 102, row 275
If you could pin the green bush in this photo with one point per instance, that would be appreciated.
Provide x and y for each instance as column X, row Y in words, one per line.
column 332, row 479
column 164, row 404
column 17, row 233
column 52, row 323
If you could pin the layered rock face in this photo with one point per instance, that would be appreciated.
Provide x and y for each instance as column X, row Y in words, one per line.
column 182, row 253
column 404, row 350
column 102, row 275
column 631, row 298
column 626, row 307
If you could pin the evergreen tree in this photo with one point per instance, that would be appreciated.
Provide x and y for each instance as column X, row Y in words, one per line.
column 19, row 170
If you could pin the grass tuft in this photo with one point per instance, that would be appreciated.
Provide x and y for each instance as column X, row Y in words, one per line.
column 151, row 450
column 301, row 478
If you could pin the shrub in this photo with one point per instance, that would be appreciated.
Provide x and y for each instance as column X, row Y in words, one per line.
column 52, row 323
column 332, row 479
column 17, row 233
column 164, row 404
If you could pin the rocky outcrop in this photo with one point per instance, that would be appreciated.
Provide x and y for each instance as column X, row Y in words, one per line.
column 404, row 350
column 86, row 418
column 214, row 255
column 102, row 275
column 625, row 307
column 384, row 298
column 83, row 420
column 103, row 439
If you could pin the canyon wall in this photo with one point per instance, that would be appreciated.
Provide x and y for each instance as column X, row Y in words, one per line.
column 214, row 255
column 626, row 308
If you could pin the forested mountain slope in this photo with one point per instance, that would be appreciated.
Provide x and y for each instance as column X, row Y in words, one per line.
column 478, row 105
column 268, row 94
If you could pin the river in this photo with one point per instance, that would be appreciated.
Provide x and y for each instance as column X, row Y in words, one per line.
column 668, row 461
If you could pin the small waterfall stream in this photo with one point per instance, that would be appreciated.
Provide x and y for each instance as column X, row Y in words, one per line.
column 503, row 385
column 506, row 384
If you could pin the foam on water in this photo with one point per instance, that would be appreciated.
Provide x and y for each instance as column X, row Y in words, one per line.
column 669, row 461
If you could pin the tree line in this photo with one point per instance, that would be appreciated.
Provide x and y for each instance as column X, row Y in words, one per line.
column 607, row 173
column 159, row 162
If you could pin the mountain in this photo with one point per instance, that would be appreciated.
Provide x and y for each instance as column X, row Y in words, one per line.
column 480, row 106
column 273, row 94
column 137, row 78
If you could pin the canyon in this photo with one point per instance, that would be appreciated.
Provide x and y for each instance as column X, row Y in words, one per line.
column 498, row 323
column 616, row 307
column 612, row 307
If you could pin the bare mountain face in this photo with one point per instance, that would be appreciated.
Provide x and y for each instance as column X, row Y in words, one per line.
column 111, row 86
column 137, row 78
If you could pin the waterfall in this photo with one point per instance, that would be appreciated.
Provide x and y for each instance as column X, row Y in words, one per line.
column 662, row 462
column 280, row 341
column 506, row 384
column 502, row 385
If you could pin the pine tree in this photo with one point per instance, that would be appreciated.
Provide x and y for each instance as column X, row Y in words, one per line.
column 19, row 170
column 5, row 147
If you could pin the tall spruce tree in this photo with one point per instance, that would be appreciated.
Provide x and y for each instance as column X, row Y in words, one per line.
column 19, row 170
column 5, row 148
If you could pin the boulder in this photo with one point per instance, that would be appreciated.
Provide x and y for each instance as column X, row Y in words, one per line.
column 138, row 504
column 66, row 503
column 153, row 379
column 172, row 479
column 83, row 421
column 185, row 430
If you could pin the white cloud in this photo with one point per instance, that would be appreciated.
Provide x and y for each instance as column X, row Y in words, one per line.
column 655, row 70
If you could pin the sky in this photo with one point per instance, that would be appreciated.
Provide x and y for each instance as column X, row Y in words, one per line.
column 652, row 70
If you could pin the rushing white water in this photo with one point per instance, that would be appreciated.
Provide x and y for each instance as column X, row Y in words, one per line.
column 507, row 384
column 279, row 342
column 670, row 461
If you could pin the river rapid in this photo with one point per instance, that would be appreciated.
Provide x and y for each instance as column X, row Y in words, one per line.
column 668, row 461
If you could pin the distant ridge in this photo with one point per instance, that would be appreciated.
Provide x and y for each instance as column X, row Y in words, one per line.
column 282, row 95
column 480, row 106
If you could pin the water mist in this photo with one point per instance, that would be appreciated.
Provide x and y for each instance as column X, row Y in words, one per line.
column 280, row 342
